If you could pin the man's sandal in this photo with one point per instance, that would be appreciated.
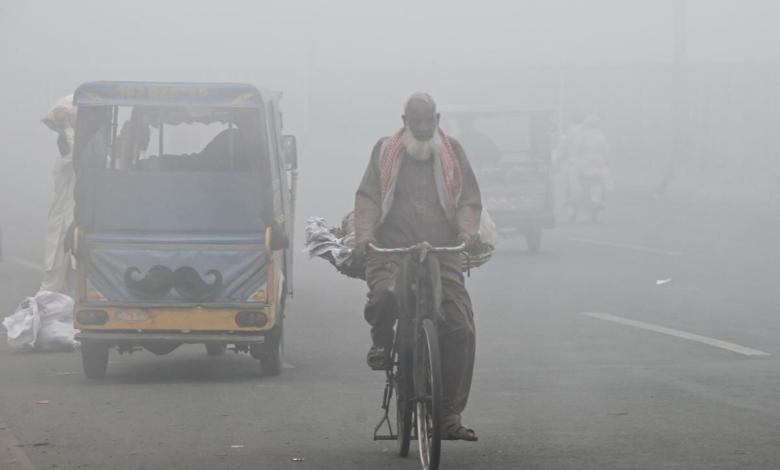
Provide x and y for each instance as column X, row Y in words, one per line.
column 457, row 431
column 378, row 358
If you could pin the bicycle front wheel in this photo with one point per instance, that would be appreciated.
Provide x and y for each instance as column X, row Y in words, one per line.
column 404, row 403
column 427, row 384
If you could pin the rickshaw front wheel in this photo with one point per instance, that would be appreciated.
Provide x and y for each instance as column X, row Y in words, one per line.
column 94, row 358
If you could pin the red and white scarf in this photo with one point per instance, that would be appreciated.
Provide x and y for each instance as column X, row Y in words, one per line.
column 449, row 181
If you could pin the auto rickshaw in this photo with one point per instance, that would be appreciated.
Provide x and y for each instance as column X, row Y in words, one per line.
column 510, row 151
column 185, row 201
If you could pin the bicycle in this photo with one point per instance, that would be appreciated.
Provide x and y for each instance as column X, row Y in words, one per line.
column 414, row 373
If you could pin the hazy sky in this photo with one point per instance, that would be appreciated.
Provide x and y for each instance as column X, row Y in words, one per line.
column 48, row 47
column 100, row 35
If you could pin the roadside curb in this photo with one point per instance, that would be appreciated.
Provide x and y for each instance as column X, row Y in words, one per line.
column 11, row 455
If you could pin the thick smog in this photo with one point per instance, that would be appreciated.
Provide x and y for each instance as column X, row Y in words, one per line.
column 353, row 234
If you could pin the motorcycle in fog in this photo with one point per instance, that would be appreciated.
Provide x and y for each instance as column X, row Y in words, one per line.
column 590, row 195
column 588, row 175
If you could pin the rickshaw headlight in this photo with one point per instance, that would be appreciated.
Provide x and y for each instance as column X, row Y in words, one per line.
column 92, row 317
column 258, row 296
column 92, row 293
column 251, row 319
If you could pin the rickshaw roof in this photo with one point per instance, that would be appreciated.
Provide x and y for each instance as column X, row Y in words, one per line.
column 492, row 111
column 172, row 94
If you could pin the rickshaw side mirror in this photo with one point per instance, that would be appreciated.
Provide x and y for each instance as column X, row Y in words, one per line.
column 290, row 149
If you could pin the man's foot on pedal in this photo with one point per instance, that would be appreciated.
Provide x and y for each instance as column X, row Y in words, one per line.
column 378, row 358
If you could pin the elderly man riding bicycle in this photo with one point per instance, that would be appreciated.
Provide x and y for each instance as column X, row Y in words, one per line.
column 419, row 187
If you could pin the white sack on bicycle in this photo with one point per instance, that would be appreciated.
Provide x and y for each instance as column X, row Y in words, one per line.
column 488, row 232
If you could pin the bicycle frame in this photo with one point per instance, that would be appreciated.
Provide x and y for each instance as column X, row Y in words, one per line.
column 417, row 287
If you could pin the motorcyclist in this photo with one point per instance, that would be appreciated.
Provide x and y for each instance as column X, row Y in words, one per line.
column 585, row 155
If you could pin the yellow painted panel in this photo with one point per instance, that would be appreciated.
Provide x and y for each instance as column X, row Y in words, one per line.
column 194, row 319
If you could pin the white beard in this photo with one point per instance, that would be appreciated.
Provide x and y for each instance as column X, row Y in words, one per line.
column 422, row 150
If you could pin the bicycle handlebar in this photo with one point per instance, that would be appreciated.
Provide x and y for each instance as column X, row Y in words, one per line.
column 417, row 248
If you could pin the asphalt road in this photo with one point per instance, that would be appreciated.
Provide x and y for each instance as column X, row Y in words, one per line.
column 554, row 388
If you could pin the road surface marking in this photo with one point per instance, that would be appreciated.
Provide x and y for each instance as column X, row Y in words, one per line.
column 680, row 334
column 11, row 455
column 627, row 247
column 27, row 264
column 287, row 366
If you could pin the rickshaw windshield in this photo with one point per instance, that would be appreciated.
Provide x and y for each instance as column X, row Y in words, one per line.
column 512, row 137
column 173, row 169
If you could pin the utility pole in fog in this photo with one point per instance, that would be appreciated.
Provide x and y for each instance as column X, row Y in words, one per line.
column 679, row 94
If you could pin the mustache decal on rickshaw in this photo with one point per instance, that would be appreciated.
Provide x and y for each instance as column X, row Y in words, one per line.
column 154, row 285
column 190, row 285
column 159, row 280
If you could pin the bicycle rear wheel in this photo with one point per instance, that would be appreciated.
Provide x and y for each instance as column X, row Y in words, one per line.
column 427, row 383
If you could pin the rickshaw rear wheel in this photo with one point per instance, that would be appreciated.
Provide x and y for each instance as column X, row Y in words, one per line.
column 216, row 349
column 271, row 363
column 271, row 357
column 94, row 358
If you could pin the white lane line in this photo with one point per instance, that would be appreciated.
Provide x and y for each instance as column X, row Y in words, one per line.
column 627, row 247
column 27, row 264
column 680, row 334
column 287, row 366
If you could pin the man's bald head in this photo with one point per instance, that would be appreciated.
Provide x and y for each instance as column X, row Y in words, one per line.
column 420, row 116
column 419, row 101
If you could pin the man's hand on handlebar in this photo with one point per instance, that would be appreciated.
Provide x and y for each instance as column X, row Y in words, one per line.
column 361, row 248
column 473, row 243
